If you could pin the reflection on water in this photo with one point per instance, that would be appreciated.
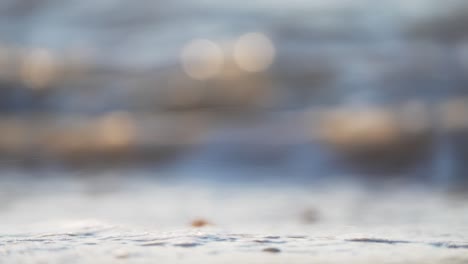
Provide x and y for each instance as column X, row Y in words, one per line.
column 311, row 86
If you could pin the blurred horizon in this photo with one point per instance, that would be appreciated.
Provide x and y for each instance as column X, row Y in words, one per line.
column 316, row 88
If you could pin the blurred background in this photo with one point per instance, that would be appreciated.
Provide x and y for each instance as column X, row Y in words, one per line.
column 269, row 131
column 309, row 90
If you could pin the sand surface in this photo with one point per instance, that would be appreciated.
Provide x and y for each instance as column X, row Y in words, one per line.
column 143, row 220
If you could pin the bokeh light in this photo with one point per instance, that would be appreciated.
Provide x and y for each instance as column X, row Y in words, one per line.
column 254, row 52
column 116, row 130
column 202, row 59
column 359, row 128
column 38, row 68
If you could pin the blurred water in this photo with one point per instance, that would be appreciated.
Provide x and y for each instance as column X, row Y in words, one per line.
column 152, row 32
column 361, row 48
column 354, row 54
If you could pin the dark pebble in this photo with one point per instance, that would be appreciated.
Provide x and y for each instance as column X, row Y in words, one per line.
column 154, row 244
column 310, row 216
column 199, row 223
column 377, row 240
column 272, row 250
column 186, row 245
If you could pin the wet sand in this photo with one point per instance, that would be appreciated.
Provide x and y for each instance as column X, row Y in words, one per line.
column 140, row 219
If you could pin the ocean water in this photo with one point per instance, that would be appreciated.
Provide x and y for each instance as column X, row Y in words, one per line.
column 149, row 33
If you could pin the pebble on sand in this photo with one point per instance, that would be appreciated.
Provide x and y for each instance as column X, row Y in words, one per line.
column 310, row 216
column 121, row 254
column 272, row 250
column 200, row 223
